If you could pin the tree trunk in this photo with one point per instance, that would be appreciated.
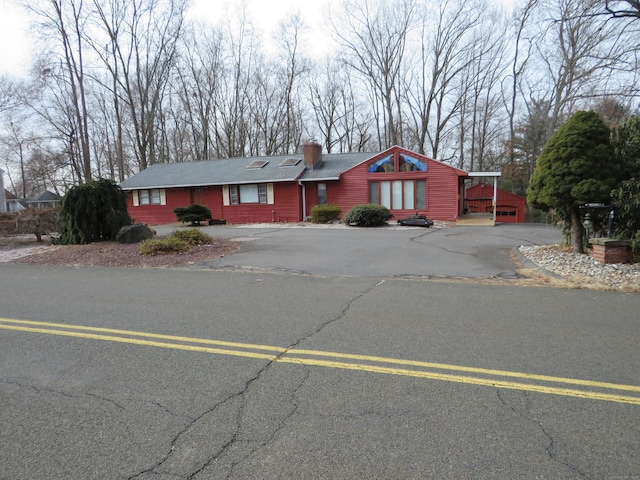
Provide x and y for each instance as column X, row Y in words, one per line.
column 576, row 231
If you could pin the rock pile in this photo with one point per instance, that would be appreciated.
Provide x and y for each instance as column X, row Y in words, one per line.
column 583, row 268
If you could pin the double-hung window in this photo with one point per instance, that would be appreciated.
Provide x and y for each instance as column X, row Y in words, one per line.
column 154, row 196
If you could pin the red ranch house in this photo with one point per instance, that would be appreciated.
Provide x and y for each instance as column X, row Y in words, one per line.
column 285, row 188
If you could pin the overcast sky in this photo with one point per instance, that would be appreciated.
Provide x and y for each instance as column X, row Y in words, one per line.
column 15, row 47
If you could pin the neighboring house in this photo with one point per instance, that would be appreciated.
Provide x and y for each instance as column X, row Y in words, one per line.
column 45, row 199
column 509, row 206
column 13, row 203
column 284, row 188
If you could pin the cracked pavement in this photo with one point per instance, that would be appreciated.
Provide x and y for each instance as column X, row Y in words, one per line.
column 147, row 397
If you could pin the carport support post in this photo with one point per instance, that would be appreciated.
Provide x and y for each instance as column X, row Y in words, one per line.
column 495, row 198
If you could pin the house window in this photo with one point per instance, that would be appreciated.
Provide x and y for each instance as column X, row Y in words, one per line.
column 399, row 194
column 250, row 193
column 322, row 193
column 262, row 193
column 403, row 163
column 233, row 194
column 149, row 197
column 410, row 164
column 385, row 164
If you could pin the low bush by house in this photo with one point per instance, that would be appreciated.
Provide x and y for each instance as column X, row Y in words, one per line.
column 367, row 215
column 325, row 213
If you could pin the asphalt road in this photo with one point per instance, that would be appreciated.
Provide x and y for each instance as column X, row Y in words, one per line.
column 267, row 373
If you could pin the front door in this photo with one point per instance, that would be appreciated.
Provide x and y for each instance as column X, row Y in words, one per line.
column 198, row 196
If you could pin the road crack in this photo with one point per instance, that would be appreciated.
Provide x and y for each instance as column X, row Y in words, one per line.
column 525, row 415
column 234, row 437
column 74, row 395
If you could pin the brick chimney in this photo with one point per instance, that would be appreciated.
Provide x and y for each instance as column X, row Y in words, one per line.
column 311, row 152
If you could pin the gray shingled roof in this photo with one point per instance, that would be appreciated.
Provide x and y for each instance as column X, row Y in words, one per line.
column 234, row 171
column 45, row 196
column 336, row 164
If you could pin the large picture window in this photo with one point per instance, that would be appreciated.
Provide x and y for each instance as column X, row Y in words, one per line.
column 248, row 193
column 399, row 194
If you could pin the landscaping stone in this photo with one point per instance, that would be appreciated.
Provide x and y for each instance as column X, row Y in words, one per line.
column 135, row 233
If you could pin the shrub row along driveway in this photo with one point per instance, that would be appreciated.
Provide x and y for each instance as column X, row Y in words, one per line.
column 469, row 252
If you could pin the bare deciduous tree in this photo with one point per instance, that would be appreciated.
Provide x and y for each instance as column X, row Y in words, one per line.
column 446, row 50
column 623, row 8
column 143, row 39
column 198, row 83
column 374, row 35
column 65, row 22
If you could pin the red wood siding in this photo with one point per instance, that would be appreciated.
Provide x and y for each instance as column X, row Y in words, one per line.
column 287, row 207
column 441, row 192
column 159, row 214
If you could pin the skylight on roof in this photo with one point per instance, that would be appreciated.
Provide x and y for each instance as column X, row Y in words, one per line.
column 290, row 162
column 257, row 164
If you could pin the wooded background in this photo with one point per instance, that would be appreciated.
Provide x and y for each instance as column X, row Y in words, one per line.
column 119, row 85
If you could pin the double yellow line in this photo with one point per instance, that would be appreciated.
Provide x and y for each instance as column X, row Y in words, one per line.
column 592, row 390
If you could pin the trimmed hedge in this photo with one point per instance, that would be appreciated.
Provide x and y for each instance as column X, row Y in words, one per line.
column 178, row 241
column 194, row 214
column 167, row 245
column 325, row 213
column 367, row 215
column 192, row 236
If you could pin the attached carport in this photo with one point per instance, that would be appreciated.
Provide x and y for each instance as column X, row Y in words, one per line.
column 510, row 208
column 487, row 217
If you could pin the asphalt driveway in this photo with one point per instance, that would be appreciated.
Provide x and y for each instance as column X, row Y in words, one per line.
column 467, row 252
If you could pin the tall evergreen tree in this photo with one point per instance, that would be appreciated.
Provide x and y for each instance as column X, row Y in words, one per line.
column 626, row 198
column 576, row 166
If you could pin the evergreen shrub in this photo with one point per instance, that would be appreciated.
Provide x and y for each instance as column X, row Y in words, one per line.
column 192, row 236
column 367, row 215
column 325, row 213
column 92, row 212
column 168, row 245
column 194, row 214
